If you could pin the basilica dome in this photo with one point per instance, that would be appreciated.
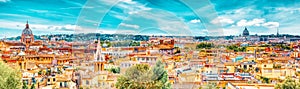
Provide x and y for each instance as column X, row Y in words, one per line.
column 245, row 32
column 27, row 30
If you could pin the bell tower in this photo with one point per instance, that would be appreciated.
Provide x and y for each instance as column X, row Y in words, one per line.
column 99, row 59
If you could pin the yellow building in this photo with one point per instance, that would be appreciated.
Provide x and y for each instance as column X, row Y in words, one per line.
column 275, row 73
column 64, row 82
column 106, row 80
column 208, row 53
column 230, row 67
column 23, row 60
column 190, row 78
column 252, row 49
column 86, row 81
column 275, row 68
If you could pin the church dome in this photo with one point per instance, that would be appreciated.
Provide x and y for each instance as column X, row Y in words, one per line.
column 245, row 32
column 27, row 30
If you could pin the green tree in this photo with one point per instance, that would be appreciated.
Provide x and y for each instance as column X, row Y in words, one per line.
column 9, row 78
column 114, row 70
column 265, row 79
column 205, row 45
column 32, row 86
column 24, row 85
column 134, row 44
column 161, row 75
column 141, row 76
column 236, row 48
column 40, row 72
column 288, row 83
column 136, row 77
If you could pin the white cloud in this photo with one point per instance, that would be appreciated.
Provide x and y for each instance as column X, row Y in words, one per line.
column 271, row 24
column 129, row 1
column 195, row 21
column 288, row 9
column 38, row 27
column 258, row 22
column 168, row 22
column 222, row 20
column 79, row 7
column 138, row 9
column 128, row 8
column 38, row 11
column 158, row 19
column 231, row 31
column 4, row 0
column 130, row 25
column 254, row 22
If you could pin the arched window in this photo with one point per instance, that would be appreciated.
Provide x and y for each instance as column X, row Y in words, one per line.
column 60, row 84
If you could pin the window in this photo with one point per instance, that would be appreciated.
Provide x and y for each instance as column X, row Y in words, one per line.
column 66, row 84
column 265, row 65
column 48, row 79
column 53, row 79
column 87, row 82
column 60, row 84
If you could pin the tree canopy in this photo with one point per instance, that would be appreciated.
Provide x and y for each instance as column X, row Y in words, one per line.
column 114, row 70
column 236, row 48
column 133, row 43
column 142, row 76
column 288, row 83
column 9, row 78
column 205, row 45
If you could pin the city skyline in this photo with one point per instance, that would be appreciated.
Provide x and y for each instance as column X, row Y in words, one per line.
column 149, row 44
column 148, row 16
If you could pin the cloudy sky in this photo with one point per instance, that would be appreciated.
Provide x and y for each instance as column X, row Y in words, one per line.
column 160, row 17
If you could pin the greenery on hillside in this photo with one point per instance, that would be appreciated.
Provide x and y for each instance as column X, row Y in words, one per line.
column 205, row 45
column 133, row 43
column 282, row 46
column 236, row 48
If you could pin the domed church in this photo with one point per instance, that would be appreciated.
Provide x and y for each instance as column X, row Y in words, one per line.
column 246, row 32
column 27, row 36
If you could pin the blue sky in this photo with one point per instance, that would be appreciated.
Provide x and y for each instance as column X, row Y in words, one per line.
column 160, row 17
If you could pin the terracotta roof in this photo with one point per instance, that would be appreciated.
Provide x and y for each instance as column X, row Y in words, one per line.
column 15, row 44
